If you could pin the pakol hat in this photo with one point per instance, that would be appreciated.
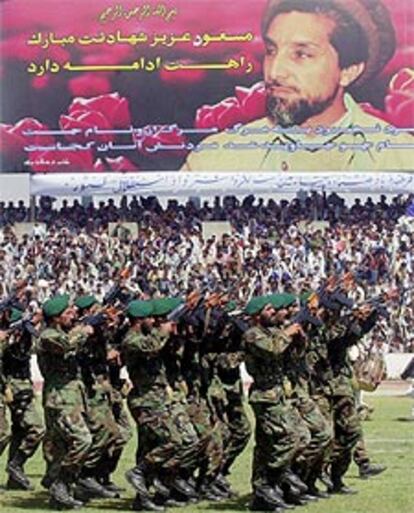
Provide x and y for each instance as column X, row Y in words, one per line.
column 371, row 15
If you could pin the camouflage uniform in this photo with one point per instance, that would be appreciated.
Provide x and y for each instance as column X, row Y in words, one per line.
column 27, row 428
column 108, row 437
column 347, row 422
column 4, row 425
column 277, row 440
column 297, row 377
column 68, row 439
column 167, row 439
column 228, row 366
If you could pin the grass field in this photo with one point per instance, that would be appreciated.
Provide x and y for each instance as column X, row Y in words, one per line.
column 390, row 441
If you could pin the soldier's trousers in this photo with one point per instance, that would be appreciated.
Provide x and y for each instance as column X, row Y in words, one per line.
column 125, row 429
column 324, row 404
column 167, row 440
column 360, row 453
column 4, row 427
column 239, row 429
column 347, row 429
column 107, row 439
column 310, row 461
column 67, row 440
column 210, row 436
column 27, row 428
column 276, row 441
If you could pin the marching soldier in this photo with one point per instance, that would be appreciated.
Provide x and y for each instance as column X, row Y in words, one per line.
column 27, row 429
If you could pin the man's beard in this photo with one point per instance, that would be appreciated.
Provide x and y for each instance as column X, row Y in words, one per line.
column 285, row 113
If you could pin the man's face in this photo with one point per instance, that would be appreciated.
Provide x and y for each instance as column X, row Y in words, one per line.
column 267, row 315
column 301, row 68
column 67, row 317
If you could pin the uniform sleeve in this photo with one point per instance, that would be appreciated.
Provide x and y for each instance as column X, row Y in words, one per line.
column 265, row 345
column 54, row 342
column 145, row 344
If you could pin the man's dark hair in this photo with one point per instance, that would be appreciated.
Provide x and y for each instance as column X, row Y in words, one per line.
column 348, row 38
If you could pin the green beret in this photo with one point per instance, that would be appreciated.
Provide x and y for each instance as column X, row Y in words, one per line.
column 140, row 309
column 276, row 300
column 288, row 299
column 83, row 302
column 256, row 304
column 164, row 306
column 230, row 306
column 16, row 315
column 55, row 305
column 305, row 296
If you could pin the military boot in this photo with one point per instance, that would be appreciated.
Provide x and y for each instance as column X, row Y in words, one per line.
column 136, row 478
column 89, row 487
column 339, row 487
column 61, row 497
column 145, row 503
column 106, row 482
column 367, row 470
column 17, row 478
column 260, row 504
column 292, row 479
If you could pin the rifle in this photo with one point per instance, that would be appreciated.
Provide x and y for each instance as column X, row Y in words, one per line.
column 187, row 311
column 9, row 302
column 115, row 293
column 23, row 325
column 95, row 319
column 304, row 317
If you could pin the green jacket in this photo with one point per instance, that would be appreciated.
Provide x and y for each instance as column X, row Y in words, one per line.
column 264, row 362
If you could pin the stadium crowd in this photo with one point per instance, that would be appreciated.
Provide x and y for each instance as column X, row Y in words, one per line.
column 272, row 247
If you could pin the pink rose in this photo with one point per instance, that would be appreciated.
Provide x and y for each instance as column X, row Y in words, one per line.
column 148, row 144
column 248, row 104
column 112, row 106
column 120, row 164
column 399, row 102
column 55, row 161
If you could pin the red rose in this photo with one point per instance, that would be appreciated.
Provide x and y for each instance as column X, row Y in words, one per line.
column 247, row 105
column 86, row 121
column 161, row 135
column 61, row 161
column 120, row 164
column 89, row 85
column 112, row 106
column 14, row 138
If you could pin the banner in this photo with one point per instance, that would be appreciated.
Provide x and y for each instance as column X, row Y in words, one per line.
column 200, row 184
column 206, row 85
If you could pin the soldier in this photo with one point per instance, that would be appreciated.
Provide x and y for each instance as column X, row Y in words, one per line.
column 297, row 377
column 277, row 441
column 345, row 332
column 27, row 429
column 4, row 393
column 166, row 437
column 228, row 371
column 68, row 439
column 107, row 439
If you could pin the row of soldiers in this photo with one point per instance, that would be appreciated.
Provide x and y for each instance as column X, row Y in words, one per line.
column 185, row 396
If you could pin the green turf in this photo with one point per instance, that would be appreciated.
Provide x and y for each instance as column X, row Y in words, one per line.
column 390, row 441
